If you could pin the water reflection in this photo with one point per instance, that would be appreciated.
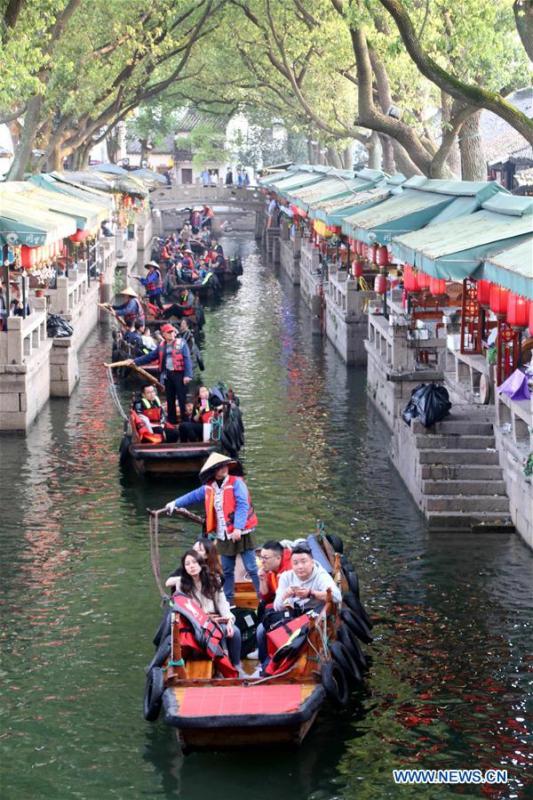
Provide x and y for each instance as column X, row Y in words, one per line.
column 450, row 671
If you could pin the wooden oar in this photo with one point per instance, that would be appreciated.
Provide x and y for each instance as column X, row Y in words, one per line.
column 179, row 512
column 146, row 375
column 111, row 311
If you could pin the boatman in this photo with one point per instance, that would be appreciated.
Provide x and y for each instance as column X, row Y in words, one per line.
column 153, row 283
column 130, row 308
column 229, row 516
column 175, row 368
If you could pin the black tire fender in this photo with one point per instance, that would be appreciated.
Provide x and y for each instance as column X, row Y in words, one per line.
column 123, row 450
column 355, row 605
column 346, row 662
column 336, row 542
column 356, row 625
column 161, row 654
column 153, row 694
column 353, row 583
column 351, row 643
column 334, row 683
column 164, row 629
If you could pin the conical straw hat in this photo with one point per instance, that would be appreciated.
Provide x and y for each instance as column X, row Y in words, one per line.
column 214, row 461
column 128, row 291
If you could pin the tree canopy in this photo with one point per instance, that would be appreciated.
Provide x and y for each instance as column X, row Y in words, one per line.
column 403, row 76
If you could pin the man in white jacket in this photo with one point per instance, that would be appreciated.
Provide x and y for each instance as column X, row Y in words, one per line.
column 306, row 584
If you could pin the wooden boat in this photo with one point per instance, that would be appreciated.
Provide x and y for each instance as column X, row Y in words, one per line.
column 211, row 712
column 162, row 458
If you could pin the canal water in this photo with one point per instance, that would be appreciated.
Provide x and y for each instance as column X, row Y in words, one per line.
column 451, row 663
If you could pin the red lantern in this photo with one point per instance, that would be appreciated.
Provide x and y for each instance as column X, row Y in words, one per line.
column 380, row 284
column 530, row 326
column 498, row 300
column 79, row 236
column 371, row 253
column 28, row 256
column 357, row 268
column 483, row 293
column 517, row 311
column 382, row 256
column 409, row 278
column 422, row 281
column 437, row 286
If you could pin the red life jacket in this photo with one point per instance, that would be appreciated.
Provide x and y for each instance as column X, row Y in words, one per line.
column 228, row 506
column 187, row 262
column 143, row 432
column 153, row 411
column 272, row 578
column 201, row 634
column 154, row 280
column 178, row 361
column 285, row 643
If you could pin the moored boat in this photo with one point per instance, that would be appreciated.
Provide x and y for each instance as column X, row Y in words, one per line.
column 311, row 663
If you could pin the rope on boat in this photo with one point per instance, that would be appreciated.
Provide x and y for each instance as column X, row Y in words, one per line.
column 155, row 560
column 114, row 395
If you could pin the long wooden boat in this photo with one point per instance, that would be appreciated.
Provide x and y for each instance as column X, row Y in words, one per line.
column 211, row 712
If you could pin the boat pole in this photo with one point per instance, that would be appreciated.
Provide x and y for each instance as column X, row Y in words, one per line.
column 146, row 375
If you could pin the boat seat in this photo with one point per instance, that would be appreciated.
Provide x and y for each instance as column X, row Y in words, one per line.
column 199, row 668
column 246, row 599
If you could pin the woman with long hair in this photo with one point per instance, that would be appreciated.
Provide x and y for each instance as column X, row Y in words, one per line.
column 208, row 551
column 205, row 588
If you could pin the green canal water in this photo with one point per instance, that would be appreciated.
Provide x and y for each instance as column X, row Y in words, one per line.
column 451, row 663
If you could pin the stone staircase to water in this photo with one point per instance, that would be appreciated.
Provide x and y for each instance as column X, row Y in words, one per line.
column 460, row 477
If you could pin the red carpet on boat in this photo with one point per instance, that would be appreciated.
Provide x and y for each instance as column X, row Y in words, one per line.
column 239, row 700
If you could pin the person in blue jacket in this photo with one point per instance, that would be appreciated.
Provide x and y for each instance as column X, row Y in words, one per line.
column 229, row 517
column 153, row 283
column 175, row 368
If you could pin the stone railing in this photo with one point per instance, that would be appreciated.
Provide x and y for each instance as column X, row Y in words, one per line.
column 69, row 293
column 464, row 373
column 23, row 337
column 342, row 291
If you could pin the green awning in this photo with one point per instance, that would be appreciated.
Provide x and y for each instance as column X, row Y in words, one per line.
column 332, row 188
column 419, row 201
column 455, row 249
column 512, row 268
column 21, row 225
column 87, row 215
column 333, row 211
column 275, row 176
column 297, row 181
column 77, row 190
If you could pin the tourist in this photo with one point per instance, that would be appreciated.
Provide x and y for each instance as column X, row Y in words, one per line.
column 175, row 368
column 229, row 177
column 229, row 515
column 213, row 178
column 204, row 175
column 275, row 560
column 193, row 430
column 208, row 551
column 305, row 585
column 205, row 588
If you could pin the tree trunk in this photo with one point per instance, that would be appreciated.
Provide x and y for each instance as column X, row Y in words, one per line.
column 333, row 158
column 389, row 165
column 453, row 159
column 25, row 145
column 55, row 160
column 374, row 151
column 403, row 162
column 347, row 157
column 473, row 165
column 80, row 157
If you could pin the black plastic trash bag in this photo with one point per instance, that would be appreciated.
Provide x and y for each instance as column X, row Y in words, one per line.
column 57, row 327
column 429, row 403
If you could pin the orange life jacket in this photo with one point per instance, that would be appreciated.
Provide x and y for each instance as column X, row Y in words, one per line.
column 272, row 578
column 228, row 506
column 153, row 411
column 143, row 432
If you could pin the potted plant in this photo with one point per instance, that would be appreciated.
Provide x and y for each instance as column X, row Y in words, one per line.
column 40, row 279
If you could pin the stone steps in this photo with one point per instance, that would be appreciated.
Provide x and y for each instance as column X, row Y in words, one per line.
column 488, row 521
column 458, row 456
column 454, row 441
column 445, row 473
column 485, row 487
column 474, row 503
column 464, row 427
